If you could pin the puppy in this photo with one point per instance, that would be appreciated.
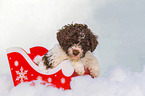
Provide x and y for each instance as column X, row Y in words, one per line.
column 76, row 42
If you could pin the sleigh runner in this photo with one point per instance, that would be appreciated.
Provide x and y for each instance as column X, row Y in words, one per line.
column 24, row 69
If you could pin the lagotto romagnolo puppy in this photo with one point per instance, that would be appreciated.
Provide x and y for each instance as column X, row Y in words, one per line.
column 76, row 42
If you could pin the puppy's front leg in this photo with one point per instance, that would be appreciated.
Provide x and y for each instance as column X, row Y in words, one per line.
column 92, row 64
column 78, row 67
column 57, row 56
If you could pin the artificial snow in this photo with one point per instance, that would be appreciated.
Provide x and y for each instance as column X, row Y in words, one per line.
column 118, row 82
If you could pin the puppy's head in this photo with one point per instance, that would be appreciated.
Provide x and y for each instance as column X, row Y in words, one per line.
column 76, row 40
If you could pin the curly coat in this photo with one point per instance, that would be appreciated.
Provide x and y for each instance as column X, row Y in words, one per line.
column 72, row 34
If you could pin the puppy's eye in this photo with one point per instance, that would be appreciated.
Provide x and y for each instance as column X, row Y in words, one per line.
column 69, row 45
column 83, row 44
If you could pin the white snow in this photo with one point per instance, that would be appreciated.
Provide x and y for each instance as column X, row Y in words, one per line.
column 119, row 82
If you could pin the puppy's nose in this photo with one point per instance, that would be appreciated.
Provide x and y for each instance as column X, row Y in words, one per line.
column 75, row 52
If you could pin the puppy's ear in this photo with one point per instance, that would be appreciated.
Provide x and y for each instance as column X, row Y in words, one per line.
column 93, row 42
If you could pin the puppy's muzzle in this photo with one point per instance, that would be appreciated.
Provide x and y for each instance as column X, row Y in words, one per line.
column 75, row 52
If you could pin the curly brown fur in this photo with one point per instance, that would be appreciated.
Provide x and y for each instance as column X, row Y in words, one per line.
column 77, row 34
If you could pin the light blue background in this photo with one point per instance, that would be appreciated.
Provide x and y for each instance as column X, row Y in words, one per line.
column 120, row 25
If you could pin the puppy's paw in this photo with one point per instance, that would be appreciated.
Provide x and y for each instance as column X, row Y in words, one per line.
column 94, row 73
column 80, row 71
column 38, row 59
column 79, row 68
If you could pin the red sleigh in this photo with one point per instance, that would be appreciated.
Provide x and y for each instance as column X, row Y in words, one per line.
column 24, row 69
